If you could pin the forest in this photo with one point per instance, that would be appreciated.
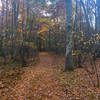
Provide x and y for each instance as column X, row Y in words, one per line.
column 49, row 49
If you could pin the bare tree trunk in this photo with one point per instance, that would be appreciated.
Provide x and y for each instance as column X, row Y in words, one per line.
column 69, row 22
column 98, row 15
column 2, row 26
column 86, row 17
column 16, row 13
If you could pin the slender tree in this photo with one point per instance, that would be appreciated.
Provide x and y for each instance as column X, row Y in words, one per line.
column 69, row 24
column 98, row 15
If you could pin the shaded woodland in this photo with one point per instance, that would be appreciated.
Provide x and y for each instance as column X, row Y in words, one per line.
column 57, row 38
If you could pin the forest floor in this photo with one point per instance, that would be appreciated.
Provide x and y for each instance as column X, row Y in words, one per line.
column 46, row 80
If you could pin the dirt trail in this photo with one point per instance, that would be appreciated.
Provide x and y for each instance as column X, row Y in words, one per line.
column 39, row 82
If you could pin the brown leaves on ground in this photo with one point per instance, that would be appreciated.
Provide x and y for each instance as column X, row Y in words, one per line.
column 78, row 85
column 46, row 81
column 38, row 82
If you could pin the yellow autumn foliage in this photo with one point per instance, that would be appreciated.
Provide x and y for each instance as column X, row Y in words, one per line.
column 43, row 29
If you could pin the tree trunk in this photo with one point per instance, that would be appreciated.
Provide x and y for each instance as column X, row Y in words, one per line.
column 87, row 19
column 98, row 15
column 15, row 11
column 69, row 22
